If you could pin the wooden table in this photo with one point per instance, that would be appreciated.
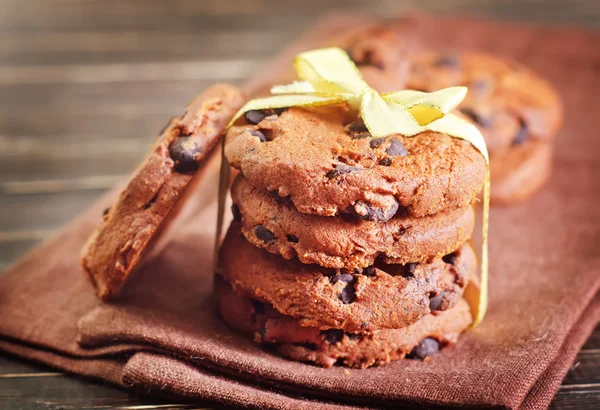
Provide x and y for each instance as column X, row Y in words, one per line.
column 84, row 85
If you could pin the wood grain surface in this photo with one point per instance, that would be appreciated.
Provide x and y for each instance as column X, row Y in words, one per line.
column 85, row 85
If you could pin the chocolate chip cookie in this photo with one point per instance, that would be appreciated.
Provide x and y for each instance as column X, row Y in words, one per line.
column 325, row 348
column 127, row 228
column 378, row 297
column 509, row 103
column 268, row 221
column 517, row 112
column 328, row 164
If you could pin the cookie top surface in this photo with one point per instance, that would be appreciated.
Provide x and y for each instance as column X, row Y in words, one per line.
column 508, row 102
column 378, row 297
column 327, row 347
column 128, row 227
column 269, row 222
column 327, row 163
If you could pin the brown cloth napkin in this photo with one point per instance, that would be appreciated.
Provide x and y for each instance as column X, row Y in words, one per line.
column 163, row 336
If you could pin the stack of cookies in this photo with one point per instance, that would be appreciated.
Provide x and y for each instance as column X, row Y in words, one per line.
column 345, row 248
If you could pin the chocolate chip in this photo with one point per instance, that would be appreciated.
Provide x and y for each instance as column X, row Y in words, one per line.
column 366, row 58
column 369, row 271
column 354, row 336
column 348, row 294
column 386, row 162
column 255, row 133
column 409, row 270
column 262, row 330
column 435, row 301
column 396, row 148
column 183, row 151
column 333, row 335
column 259, row 308
column 477, row 118
column 521, row 133
column 447, row 60
column 341, row 277
column 480, row 86
column 264, row 234
column 105, row 212
column 357, row 130
column 151, row 201
column 254, row 116
column 450, row 258
column 237, row 214
column 308, row 346
column 341, row 169
column 292, row 238
column 356, row 126
column 427, row 348
column 286, row 200
column 366, row 212
column 376, row 142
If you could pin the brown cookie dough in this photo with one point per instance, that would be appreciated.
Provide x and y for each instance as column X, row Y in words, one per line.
column 325, row 348
column 509, row 103
column 127, row 228
column 378, row 297
column 328, row 165
column 520, row 171
column 345, row 244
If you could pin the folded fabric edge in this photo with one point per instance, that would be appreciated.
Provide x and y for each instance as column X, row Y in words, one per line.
column 107, row 368
column 168, row 377
column 548, row 384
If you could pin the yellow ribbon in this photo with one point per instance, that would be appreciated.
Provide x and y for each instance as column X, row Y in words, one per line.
column 330, row 77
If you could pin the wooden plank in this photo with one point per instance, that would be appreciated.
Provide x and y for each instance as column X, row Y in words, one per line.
column 11, row 250
column 577, row 399
column 207, row 70
column 41, row 212
column 143, row 15
column 66, row 392
column 126, row 46
column 13, row 365
column 73, row 165
column 157, row 97
column 20, row 133
column 586, row 368
column 593, row 343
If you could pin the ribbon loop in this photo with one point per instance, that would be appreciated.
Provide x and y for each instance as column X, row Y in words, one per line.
column 330, row 70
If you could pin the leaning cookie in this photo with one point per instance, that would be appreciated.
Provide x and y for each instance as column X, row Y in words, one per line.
column 116, row 247
column 378, row 297
column 328, row 164
column 269, row 222
column 325, row 348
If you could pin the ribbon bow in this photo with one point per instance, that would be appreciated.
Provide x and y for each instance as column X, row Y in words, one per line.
column 330, row 77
